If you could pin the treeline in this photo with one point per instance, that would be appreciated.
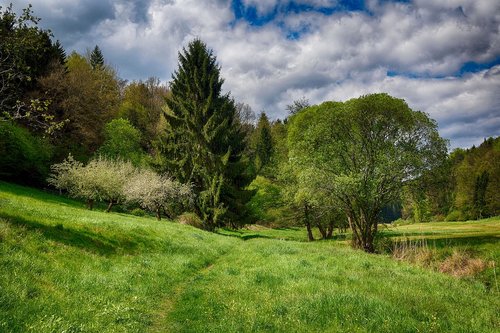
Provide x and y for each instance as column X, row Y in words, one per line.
column 188, row 146
column 464, row 187
column 54, row 106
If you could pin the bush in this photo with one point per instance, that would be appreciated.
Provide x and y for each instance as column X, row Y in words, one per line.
column 383, row 243
column 455, row 215
column 461, row 264
column 158, row 193
column 138, row 212
column 24, row 158
column 123, row 141
column 100, row 180
column 191, row 219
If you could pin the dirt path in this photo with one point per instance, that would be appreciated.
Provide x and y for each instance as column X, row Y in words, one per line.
column 161, row 323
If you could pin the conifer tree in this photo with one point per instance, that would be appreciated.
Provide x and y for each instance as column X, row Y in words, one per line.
column 96, row 58
column 264, row 144
column 59, row 53
column 204, row 140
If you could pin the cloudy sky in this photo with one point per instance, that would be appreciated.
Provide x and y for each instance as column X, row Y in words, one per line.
column 442, row 57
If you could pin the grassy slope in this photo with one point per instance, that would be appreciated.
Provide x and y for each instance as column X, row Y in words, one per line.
column 63, row 268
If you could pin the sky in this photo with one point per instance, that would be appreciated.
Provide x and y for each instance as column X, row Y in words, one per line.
column 441, row 57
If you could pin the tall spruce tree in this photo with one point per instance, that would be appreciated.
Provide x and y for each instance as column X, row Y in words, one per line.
column 204, row 140
column 264, row 144
column 96, row 58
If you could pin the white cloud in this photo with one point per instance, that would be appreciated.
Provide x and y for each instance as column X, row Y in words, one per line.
column 337, row 56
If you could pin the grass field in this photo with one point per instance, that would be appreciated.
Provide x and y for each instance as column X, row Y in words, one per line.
column 67, row 269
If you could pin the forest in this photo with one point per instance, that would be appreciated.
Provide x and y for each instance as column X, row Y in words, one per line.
column 150, row 206
column 70, row 123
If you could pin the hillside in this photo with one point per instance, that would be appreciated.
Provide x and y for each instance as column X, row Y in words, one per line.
column 64, row 268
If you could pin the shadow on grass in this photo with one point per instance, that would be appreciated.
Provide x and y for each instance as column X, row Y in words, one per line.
column 83, row 239
column 241, row 235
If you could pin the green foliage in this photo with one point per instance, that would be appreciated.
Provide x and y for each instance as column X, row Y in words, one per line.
column 455, row 215
column 138, row 212
column 359, row 153
column 23, row 157
column 480, row 194
column 62, row 268
column 204, row 141
column 96, row 58
column 463, row 187
column 122, row 141
column 263, row 142
column 142, row 105
column 89, row 99
column 26, row 54
column 267, row 205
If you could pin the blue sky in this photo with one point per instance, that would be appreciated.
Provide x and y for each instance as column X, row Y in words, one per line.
column 442, row 57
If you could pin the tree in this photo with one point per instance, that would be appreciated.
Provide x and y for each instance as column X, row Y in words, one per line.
column 158, row 193
column 298, row 105
column 204, row 141
column 264, row 142
column 101, row 179
column 361, row 152
column 88, row 98
column 142, row 105
column 26, row 53
column 477, row 178
column 24, row 158
column 122, row 141
column 96, row 58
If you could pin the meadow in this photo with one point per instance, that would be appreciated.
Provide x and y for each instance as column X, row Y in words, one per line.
column 67, row 269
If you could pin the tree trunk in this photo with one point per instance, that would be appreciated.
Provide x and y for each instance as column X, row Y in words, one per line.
column 363, row 232
column 310, row 236
column 90, row 204
column 158, row 214
column 329, row 232
column 322, row 230
column 110, row 205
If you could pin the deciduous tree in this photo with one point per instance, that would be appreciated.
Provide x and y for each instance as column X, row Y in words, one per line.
column 158, row 193
column 361, row 152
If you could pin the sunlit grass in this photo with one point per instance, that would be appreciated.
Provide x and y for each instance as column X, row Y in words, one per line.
column 66, row 269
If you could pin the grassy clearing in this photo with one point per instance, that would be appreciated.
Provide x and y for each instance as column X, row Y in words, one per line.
column 279, row 286
column 63, row 268
column 468, row 249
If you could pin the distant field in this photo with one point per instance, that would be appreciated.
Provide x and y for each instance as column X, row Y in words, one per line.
column 66, row 269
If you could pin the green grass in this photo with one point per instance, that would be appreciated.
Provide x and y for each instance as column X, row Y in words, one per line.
column 66, row 269
column 441, row 240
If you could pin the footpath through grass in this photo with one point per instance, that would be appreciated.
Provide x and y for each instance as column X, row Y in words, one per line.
column 63, row 268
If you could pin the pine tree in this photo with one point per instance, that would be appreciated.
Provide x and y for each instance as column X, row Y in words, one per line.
column 96, row 58
column 59, row 53
column 204, row 140
column 264, row 144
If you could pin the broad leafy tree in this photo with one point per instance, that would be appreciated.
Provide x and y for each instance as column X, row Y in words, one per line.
column 204, row 140
column 26, row 53
column 102, row 179
column 158, row 193
column 122, row 141
column 361, row 152
column 142, row 105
